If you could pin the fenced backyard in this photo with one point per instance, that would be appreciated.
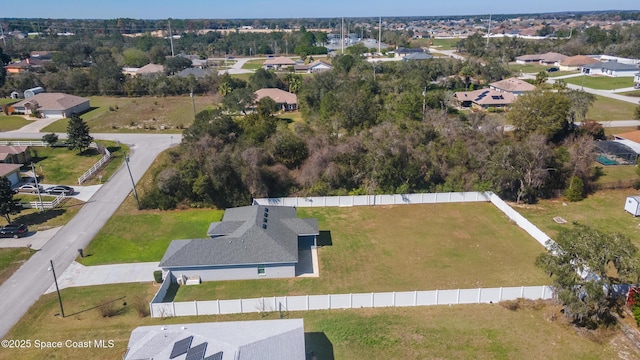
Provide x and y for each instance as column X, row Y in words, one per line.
column 58, row 201
column 385, row 298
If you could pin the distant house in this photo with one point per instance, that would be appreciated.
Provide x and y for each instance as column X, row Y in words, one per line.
column 150, row 69
column 418, row 56
column 550, row 58
column 237, row 340
column 512, row 85
column 285, row 100
column 632, row 205
column 484, row 99
column 278, row 63
column 52, row 105
column 27, row 64
column 574, row 63
column 315, row 67
column 196, row 72
column 611, row 69
column 250, row 242
column 10, row 154
column 11, row 172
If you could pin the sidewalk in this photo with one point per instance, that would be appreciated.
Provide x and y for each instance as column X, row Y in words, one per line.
column 80, row 275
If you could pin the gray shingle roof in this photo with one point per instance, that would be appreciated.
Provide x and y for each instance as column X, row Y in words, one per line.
column 611, row 65
column 246, row 235
column 238, row 340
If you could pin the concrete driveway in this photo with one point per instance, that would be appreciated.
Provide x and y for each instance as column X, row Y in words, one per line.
column 36, row 239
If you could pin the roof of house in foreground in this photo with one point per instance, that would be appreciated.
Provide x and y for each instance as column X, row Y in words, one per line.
column 52, row 101
column 237, row 340
column 513, row 85
column 246, row 235
column 486, row 97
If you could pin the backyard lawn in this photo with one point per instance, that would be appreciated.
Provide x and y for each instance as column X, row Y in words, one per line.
column 12, row 122
column 402, row 248
column 606, row 109
column 442, row 44
column 143, row 114
column 528, row 68
column 50, row 218
column 253, row 64
column 601, row 82
column 59, row 165
column 603, row 210
column 438, row 332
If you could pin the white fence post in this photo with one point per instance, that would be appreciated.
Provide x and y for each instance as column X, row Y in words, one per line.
column 195, row 304
column 415, row 298
column 500, row 298
column 437, row 296
column 479, row 295
column 329, row 301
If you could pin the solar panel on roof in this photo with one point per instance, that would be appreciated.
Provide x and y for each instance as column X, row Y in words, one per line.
column 181, row 347
column 197, row 352
column 216, row 356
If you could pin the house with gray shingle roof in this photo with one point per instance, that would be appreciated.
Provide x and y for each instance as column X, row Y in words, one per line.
column 611, row 69
column 233, row 340
column 250, row 242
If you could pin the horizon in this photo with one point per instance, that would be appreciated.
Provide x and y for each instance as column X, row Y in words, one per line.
column 279, row 9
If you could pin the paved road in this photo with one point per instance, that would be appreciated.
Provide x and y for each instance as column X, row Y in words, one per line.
column 449, row 53
column 24, row 288
column 236, row 68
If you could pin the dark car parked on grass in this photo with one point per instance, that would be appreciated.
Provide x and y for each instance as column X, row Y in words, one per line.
column 60, row 189
column 14, row 230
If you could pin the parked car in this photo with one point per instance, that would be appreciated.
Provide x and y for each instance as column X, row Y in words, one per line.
column 59, row 189
column 553, row 69
column 636, row 86
column 29, row 188
column 14, row 230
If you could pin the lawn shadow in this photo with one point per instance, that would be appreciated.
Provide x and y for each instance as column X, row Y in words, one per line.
column 117, row 312
column 324, row 239
column 318, row 346
column 89, row 152
column 39, row 217
column 114, row 148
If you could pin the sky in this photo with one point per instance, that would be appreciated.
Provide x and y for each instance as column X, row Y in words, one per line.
column 251, row 9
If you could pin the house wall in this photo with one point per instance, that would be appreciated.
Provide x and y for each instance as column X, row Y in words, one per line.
column 14, row 178
column 239, row 272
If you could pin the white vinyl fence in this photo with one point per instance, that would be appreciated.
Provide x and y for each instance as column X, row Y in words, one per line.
column 25, row 143
column 371, row 200
column 349, row 301
column 97, row 166
column 59, row 200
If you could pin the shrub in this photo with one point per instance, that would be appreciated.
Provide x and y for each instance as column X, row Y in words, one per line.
column 157, row 275
column 108, row 309
column 141, row 305
column 50, row 139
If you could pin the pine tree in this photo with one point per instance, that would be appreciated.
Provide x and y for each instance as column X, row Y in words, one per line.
column 78, row 137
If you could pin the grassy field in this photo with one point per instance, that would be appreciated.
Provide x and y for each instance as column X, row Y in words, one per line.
column 138, row 236
column 12, row 122
column 603, row 210
column 401, row 248
column 607, row 109
column 144, row 114
column 5, row 101
column 47, row 219
column 618, row 130
column 440, row 332
column 634, row 93
column 442, row 44
column 528, row 68
column 10, row 260
column 60, row 165
column 617, row 173
column 601, row 82
column 253, row 64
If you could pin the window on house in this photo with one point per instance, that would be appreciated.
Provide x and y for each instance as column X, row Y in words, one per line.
column 262, row 270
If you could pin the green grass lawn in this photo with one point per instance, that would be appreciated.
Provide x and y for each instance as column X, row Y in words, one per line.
column 244, row 77
column 601, row 82
column 143, row 114
column 442, row 44
column 10, row 260
column 12, row 122
column 617, row 173
column 63, row 166
column 618, row 130
column 402, row 248
column 141, row 236
column 603, row 210
column 439, row 332
column 634, row 93
column 253, row 64
column 607, row 109
column 8, row 101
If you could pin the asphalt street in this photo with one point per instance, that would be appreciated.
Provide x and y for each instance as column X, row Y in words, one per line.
column 24, row 288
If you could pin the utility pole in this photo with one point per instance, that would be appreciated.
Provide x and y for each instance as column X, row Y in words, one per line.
column 342, row 35
column 135, row 193
column 424, row 102
column 4, row 41
column 489, row 30
column 193, row 102
column 379, row 35
column 55, row 280
column 171, row 39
